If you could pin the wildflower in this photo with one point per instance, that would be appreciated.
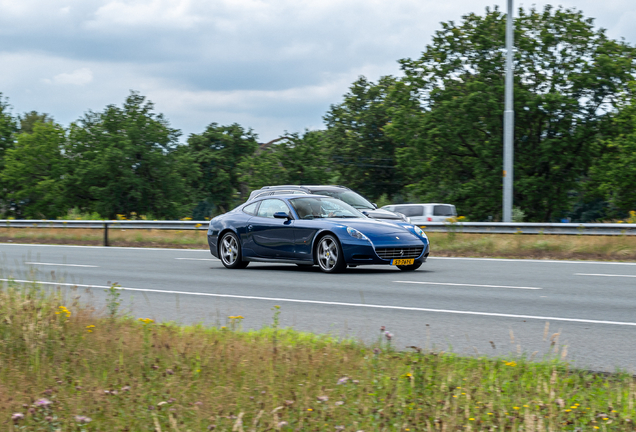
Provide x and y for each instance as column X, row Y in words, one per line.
column 388, row 335
column 289, row 402
column 355, row 382
column 43, row 403
column 339, row 428
column 171, row 400
column 323, row 398
column 146, row 320
column 48, row 419
column 169, row 372
column 63, row 310
column 515, row 408
column 343, row 380
column 376, row 351
column 605, row 418
column 382, row 329
column 283, row 423
column 340, row 403
column 125, row 388
column 568, row 410
column 309, row 409
column 471, row 419
column 83, row 419
column 198, row 403
column 90, row 328
column 16, row 417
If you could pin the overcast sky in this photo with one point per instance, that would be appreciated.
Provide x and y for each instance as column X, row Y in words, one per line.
column 272, row 65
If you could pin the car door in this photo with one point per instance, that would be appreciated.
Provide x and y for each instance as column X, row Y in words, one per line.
column 271, row 237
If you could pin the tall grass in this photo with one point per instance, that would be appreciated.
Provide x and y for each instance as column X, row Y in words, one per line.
column 65, row 367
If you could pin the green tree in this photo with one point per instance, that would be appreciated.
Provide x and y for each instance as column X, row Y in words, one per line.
column 120, row 162
column 33, row 173
column 362, row 153
column 30, row 119
column 8, row 129
column 216, row 155
column 614, row 173
column 290, row 159
column 449, row 110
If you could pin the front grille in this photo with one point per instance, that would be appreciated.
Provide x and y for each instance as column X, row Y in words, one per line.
column 397, row 252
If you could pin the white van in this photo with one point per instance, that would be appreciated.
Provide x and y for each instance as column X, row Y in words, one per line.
column 422, row 213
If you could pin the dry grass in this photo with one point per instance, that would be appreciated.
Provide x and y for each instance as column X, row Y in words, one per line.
column 621, row 248
column 59, row 374
column 117, row 237
column 442, row 244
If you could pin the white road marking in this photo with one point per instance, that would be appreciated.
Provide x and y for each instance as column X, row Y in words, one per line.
column 601, row 274
column 329, row 303
column 197, row 259
column 107, row 247
column 534, row 261
column 467, row 285
column 58, row 264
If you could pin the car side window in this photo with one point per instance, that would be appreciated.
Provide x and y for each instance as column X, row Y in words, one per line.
column 270, row 206
column 250, row 209
column 410, row 210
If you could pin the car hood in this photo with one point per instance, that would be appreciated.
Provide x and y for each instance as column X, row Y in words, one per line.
column 374, row 228
column 381, row 214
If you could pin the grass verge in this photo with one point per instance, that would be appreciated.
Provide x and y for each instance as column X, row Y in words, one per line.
column 64, row 367
column 573, row 247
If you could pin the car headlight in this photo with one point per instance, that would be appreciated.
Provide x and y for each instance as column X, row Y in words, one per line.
column 356, row 234
column 419, row 231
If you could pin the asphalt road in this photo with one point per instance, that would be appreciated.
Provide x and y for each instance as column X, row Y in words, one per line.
column 585, row 311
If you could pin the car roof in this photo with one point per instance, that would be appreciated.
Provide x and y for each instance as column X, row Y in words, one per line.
column 288, row 197
column 404, row 204
column 306, row 187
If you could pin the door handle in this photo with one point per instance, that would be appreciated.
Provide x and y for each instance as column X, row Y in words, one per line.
column 249, row 227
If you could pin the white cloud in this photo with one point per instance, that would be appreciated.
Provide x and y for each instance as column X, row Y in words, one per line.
column 267, row 64
column 78, row 77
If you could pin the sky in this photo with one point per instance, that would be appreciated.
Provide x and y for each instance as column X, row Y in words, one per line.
column 269, row 65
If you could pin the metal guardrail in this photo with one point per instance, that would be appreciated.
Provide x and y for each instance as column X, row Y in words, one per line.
column 613, row 229
column 532, row 228
column 106, row 225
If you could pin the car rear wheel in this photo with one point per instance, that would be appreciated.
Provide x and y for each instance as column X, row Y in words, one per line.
column 230, row 252
column 329, row 255
column 411, row 267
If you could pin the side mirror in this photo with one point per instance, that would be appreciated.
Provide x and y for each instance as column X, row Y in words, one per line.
column 282, row 215
column 375, row 205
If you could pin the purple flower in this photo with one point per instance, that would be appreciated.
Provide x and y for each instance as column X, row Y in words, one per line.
column 382, row 329
column 44, row 403
column 83, row 419
column 388, row 335
column 343, row 380
column 17, row 417
column 376, row 351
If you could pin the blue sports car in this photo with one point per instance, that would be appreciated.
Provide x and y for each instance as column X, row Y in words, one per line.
column 313, row 230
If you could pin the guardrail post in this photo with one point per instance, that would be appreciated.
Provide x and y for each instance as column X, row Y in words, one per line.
column 106, row 234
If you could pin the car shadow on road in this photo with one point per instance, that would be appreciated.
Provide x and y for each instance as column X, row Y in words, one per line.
column 349, row 271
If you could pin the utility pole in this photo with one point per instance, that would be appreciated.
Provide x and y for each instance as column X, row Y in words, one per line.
column 509, row 119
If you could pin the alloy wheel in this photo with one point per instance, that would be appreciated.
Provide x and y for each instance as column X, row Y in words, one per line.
column 229, row 249
column 328, row 254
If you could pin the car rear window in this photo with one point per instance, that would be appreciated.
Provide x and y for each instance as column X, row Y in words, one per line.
column 410, row 210
column 444, row 210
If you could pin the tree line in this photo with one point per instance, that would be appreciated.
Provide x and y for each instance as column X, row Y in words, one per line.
column 433, row 134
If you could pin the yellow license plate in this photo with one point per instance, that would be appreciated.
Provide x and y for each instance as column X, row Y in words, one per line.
column 403, row 261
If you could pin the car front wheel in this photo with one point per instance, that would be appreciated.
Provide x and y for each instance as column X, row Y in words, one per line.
column 329, row 255
column 230, row 252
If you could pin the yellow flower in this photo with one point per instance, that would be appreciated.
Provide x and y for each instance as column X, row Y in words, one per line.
column 596, row 427
column 526, row 406
column 146, row 320
column 605, row 418
column 568, row 410
column 515, row 408
column 490, row 414
column 614, row 411
column 309, row 409
column 89, row 328
column 471, row 419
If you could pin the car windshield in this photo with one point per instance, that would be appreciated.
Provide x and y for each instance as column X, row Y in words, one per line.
column 350, row 197
column 316, row 207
